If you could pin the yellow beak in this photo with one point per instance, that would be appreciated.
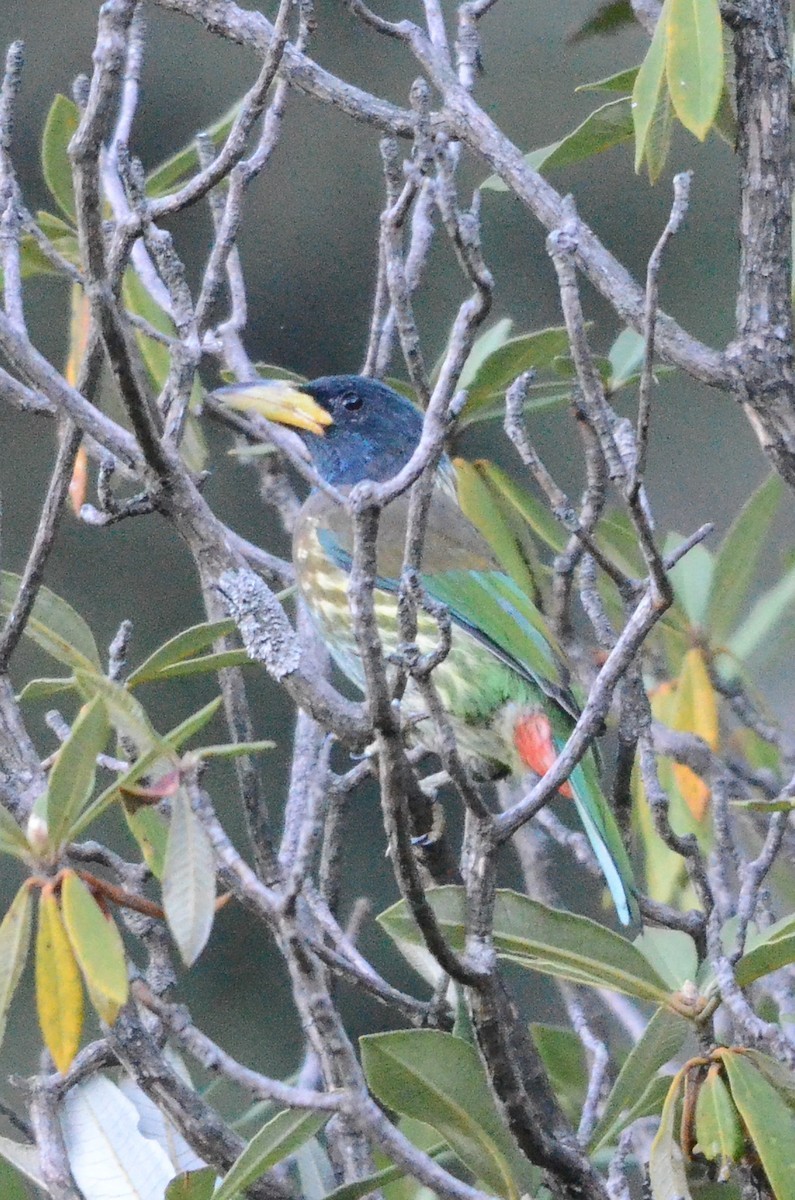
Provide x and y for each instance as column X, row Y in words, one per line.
column 278, row 401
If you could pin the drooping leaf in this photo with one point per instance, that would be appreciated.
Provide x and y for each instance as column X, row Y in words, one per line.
column 719, row 1132
column 71, row 782
column 549, row 940
column 663, row 1037
column 533, row 511
column 186, row 644
column 97, row 946
column 59, row 991
column 649, row 85
column 659, row 135
column 666, row 1166
column 694, row 61
column 108, row 1156
column 14, row 947
column 175, row 170
column 54, row 626
column 59, row 128
column 766, row 1116
column 488, row 512
column 275, row 1141
column 188, row 880
column 439, row 1079
column 736, row 560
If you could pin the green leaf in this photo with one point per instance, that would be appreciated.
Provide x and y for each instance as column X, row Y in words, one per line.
column 649, row 86
column 175, row 170
column 482, row 348
column 160, row 754
column 757, row 628
column 183, row 645
column 563, row 1055
column 126, row 714
column 691, row 579
column 188, row 880
column 767, row 951
column 97, row 946
column 24, row 1158
column 14, row 947
column 54, row 626
column 72, row 778
column 11, row 1184
column 41, row 689
column 719, row 1132
column 621, row 81
column 736, row 560
column 782, row 1079
column 275, row 1141
column 150, row 831
column 59, row 128
column 694, row 61
column 192, row 1185
column 439, row 1079
column 233, row 749
column 533, row 511
column 488, row 512
column 497, row 371
column 540, row 398
column 610, row 16
column 770, row 1123
column 672, row 953
column 12, row 838
column 604, row 128
column 663, row 1038
column 139, row 300
column 539, row 938
column 625, row 357
column 380, row 1179
column 205, row 664
column 666, row 1167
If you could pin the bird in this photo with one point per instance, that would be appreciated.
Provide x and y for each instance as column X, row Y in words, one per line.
column 503, row 683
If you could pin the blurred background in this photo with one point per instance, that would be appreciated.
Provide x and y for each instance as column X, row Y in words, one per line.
column 308, row 250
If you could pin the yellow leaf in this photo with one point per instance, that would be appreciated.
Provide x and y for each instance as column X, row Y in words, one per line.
column 59, row 992
column 696, row 711
column 97, row 946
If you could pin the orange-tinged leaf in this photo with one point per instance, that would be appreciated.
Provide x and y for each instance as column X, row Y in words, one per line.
column 696, row 711
column 97, row 946
column 59, row 991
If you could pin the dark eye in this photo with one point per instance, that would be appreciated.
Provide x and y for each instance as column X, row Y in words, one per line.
column 351, row 401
